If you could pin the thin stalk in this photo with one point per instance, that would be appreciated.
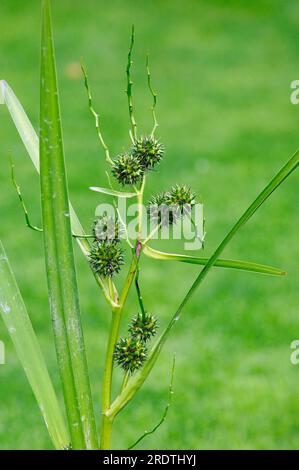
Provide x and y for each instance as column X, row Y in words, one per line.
column 96, row 117
column 129, row 88
column 154, row 95
column 139, row 296
column 165, row 413
column 23, row 205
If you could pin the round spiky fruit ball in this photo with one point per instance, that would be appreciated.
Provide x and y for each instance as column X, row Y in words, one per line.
column 143, row 327
column 149, row 151
column 182, row 198
column 127, row 169
column 106, row 258
column 106, row 228
column 130, row 354
column 160, row 211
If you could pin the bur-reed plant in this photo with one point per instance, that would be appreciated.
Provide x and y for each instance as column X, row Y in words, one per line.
column 103, row 247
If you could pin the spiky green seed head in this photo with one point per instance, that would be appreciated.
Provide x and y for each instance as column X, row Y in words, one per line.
column 182, row 198
column 160, row 212
column 130, row 354
column 149, row 151
column 106, row 228
column 143, row 327
column 106, row 258
column 127, row 169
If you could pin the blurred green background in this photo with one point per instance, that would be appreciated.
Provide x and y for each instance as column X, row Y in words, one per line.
column 222, row 69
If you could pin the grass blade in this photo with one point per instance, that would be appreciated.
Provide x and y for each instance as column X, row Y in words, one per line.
column 61, row 274
column 136, row 381
column 221, row 263
column 18, row 324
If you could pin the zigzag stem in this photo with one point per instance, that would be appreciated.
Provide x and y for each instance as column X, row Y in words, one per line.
column 129, row 88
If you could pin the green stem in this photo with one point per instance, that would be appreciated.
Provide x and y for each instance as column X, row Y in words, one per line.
column 129, row 88
column 107, row 380
column 96, row 117
column 154, row 95
column 107, row 421
column 140, row 208
column 140, row 300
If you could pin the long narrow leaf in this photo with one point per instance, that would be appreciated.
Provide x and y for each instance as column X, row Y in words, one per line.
column 136, row 381
column 61, row 274
column 221, row 263
column 19, row 327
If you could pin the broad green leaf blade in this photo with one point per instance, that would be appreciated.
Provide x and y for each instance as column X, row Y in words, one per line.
column 138, row 379
column 61, row 274
column 18, row 324
column 31, row 143
column 112, row 192
column 221, row 263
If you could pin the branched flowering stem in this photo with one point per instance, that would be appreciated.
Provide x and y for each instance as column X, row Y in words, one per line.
column 154, row 95
column 129, row 87
column 96, row 117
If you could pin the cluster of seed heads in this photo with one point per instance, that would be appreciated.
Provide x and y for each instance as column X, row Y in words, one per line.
column 130, row 353
column 167, row 207
column 129, row 168
column 106, row 255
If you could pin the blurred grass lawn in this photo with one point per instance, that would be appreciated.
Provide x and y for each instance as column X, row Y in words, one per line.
column 223, row 71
